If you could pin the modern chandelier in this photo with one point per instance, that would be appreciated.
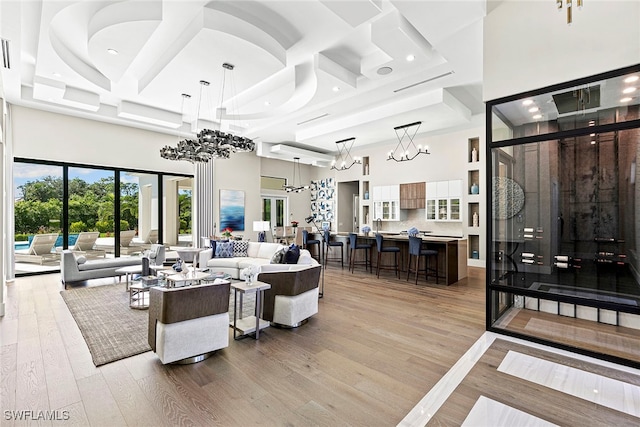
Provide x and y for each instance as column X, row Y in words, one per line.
column 569, row 8
column 345, row 160
column 406, row 149
column 210, row 144
column 293, row 187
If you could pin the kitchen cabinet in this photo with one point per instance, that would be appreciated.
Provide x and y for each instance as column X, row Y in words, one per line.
column 443, row 200
column 386, row 202
column 413, row 195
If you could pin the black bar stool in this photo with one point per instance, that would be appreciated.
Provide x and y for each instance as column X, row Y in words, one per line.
column 415, row 249
column 354, row 246
column 386, row 249
column 307, row 243
column 333, row 244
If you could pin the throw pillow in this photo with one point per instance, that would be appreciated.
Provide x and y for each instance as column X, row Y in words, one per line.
column 224, row 249
column 278, row 257
column 240, row 248
column 81, row 259
column 292, row 255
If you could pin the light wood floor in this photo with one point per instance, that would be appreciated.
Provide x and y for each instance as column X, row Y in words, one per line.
column 371, row 353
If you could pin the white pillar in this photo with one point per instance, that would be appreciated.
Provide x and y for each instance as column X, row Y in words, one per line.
column 204, row 202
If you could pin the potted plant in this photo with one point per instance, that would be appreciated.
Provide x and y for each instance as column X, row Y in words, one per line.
column 226, row 233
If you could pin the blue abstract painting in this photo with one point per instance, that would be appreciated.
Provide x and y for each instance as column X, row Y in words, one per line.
column 232, row 210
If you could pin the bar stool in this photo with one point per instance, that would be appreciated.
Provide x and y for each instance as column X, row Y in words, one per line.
column 415, row 249
column 332, row 244
column 387, row 249
column 307, row 243
column 354, row 246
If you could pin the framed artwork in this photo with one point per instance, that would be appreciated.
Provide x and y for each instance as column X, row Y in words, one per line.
column 232, row 210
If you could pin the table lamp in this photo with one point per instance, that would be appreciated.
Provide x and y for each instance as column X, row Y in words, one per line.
column 261, row 227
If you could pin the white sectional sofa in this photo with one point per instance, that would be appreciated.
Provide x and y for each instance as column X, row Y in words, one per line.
column 259, row 254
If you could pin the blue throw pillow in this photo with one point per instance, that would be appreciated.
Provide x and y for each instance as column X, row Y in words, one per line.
column 213, row 247
column 292, row 255
column 224, row 249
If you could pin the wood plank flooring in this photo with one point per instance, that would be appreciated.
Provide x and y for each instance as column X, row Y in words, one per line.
column 371, row 353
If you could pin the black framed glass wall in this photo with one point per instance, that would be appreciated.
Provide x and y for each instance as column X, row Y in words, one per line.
column 564, row 266
column 115, row 206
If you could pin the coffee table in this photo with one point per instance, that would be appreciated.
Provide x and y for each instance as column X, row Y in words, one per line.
column 129, row 270
column 179, row 279
column 139, row 296
column 252, row 324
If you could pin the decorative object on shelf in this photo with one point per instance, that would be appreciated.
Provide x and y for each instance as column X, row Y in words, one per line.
column 474, row 155
column 569, row 9
column 508, row 197
column 232, row 209
column 226, row 233
column 475, row 255
column 366, row 169
column 407, row 150
column 210, row 144
column 475, row 221
column 413, row 231
column 294, row 224
column 366, row 229
column 261, row 227
column 345, row 160
column 475, row 189
column 296, row 185
column 177, row 267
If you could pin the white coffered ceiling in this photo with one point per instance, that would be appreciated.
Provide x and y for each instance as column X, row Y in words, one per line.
column 307, row 73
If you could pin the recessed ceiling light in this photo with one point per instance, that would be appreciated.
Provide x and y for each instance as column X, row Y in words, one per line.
column 537, row 116
column 410, row 58
column 626, row 99
column 527, row 102
column 533, row 109
column 631, row 79
column 56, row 74
column 336, row 89
column 112, row 51
column 629, row 90
column 267, row 103
column 383, row 71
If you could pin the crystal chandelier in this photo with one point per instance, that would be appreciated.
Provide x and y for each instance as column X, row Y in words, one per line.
column 293, row 188
column 345, row 160
column 406, row 149
column 210, row 144
column 569, row 8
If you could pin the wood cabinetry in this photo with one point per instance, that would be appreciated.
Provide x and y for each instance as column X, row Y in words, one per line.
column 413, row 195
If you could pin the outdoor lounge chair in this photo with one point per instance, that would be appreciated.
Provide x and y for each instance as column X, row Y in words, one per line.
column 41, row 249
column 85, row 244
column 126, row 248
column 150, row 239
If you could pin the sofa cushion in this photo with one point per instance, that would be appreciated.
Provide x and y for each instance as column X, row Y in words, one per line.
column 267, row 250
column 248, row 262
column 110, row 263
column 240, row 248
column 223, row 262
column 292, row 255
column 252, row 250
column 81, row 259
column 278, row 257
column 224, row 249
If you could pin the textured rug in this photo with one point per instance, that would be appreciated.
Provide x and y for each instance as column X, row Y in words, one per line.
column 111, row 329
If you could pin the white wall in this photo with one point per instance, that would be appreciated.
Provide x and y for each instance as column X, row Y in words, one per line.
column 49, row 136
column 528, row 44
column 447, row 161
